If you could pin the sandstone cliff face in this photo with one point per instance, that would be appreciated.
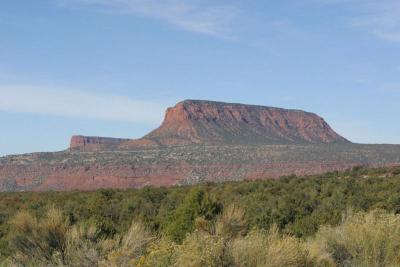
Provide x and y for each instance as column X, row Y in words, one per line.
column 207, row 122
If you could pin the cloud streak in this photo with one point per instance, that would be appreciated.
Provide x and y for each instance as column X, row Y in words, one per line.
column 381, row 18
column 80, row 104
column 189, row 15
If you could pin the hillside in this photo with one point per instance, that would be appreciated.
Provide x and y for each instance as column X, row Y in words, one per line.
column 168, row 166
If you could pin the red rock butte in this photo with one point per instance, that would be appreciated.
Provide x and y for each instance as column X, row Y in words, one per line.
column 194, row 122
column 198, row 141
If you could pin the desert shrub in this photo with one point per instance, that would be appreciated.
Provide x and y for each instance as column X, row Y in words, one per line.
column 182, row 221
column 129, row 248
column 209, row 244
column 232, row 223
column 161, row 253
column 39, row 242
column 249, row 251
column 396, row 171
column 363, row 239
column 85, row 245
column 268, row 248
column 52, row 241
column 317, row 254
column 201, row 249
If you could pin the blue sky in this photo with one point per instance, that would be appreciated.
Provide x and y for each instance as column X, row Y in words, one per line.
column 111, row 67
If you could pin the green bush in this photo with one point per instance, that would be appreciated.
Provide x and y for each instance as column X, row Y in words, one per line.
column 182, row 221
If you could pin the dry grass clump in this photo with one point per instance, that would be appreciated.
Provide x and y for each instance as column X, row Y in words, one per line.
column 260, row 248
column 128, row 249
column 363, row 239
column 232, row 223
column 39, row 242
column 200, row 249
column 161, row 253
column 85, row 246
column 209, row 245
column 52, row 241
column 318, row 256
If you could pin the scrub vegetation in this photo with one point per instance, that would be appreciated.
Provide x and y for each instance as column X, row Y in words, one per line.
column 337, row 219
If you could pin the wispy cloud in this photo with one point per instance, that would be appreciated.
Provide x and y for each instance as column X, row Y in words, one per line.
column 81, row 104
column 190, row 15
column 381, row 18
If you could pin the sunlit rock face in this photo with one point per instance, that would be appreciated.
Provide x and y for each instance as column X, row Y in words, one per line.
column 208, row 122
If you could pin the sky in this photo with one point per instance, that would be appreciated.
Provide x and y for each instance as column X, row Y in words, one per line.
column 111, row 67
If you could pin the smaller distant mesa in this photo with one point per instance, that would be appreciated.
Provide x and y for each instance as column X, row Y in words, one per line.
column 81, row 142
